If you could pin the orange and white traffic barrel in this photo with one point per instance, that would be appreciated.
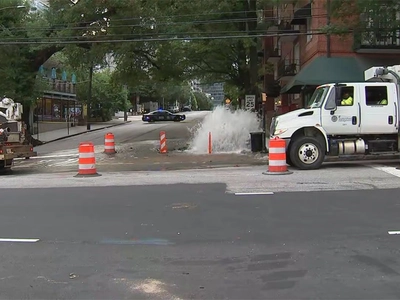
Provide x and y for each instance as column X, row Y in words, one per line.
column 163, row 142
column 277, row 157
column 87, row 160
column 109, row 143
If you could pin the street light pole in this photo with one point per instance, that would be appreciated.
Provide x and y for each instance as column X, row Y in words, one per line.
column 89, row 102
column 125, row 104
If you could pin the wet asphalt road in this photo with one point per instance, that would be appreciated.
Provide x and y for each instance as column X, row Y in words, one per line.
column 130, row 133
column 137, row 144
column 156, row 242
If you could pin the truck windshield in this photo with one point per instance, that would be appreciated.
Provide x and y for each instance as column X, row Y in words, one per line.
column 318, row 97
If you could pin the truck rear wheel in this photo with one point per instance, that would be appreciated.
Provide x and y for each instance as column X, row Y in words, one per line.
column 307, row 153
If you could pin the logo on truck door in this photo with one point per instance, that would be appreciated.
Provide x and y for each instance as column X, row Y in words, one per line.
column 340, row 119
column 344, row 119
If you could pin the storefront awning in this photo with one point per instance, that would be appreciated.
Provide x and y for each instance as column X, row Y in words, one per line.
column 326, row 70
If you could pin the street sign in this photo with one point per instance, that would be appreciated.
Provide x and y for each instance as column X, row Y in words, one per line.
column 250, row 102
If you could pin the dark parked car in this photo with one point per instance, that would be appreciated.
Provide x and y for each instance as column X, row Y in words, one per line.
column 162, row 115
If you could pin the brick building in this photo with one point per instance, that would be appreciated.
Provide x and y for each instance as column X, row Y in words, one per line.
column 303, row 58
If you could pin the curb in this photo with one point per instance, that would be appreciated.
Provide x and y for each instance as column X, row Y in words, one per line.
column 86, row 131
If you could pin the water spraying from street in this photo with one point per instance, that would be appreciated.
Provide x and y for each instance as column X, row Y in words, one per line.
column 230, row 131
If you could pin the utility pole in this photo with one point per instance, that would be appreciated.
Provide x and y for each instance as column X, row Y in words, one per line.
column 263, row 109
column 328, row 23
column 125, row 104
column 89, row 102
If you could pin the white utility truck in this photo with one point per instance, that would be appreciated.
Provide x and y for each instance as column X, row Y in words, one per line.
column 13, row 143
column 364, row 126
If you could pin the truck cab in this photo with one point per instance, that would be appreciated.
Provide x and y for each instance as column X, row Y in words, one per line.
column 358, row 119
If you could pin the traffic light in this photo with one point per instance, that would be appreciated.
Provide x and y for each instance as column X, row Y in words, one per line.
column 264, row 97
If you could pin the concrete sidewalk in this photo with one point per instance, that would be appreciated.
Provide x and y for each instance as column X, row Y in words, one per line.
column 55, row 135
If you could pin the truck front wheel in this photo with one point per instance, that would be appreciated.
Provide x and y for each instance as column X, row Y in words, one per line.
column 307, row 153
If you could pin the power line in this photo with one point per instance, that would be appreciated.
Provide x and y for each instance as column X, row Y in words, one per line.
column 110, row 41
column 156, row 25
column 155, row 35
column 137, row 35
column 187, row 15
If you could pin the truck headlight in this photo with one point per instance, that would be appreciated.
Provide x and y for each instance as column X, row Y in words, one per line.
column 279, row 131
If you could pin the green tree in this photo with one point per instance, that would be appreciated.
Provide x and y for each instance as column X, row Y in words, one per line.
column 107, row 96
column 366, row 17
column 203, row 102
column 231, row 60
column 156, row 58
column 21, row 57
column 204, row 55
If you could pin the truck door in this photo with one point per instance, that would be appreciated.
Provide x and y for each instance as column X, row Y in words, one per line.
column 345, row 119
column 379, row 110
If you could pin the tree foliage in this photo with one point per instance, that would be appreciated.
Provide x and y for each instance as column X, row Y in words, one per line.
column 157, row 45
column 364, row 16
column 202, row 101
column 108, row 96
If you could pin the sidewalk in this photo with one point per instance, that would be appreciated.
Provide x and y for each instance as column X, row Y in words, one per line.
column 59, row 134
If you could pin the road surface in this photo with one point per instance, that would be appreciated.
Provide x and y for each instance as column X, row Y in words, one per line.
column 134, row 132
column 157, row 242
column 137, row 146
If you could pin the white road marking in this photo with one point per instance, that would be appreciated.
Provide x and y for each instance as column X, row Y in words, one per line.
column 394, row 232
column 249, row 194
column 389, row 170
column 19, row 240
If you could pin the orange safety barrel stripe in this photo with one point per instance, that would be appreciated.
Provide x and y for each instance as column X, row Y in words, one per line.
column 109, row 144
column 277, row 155
column 87, row 159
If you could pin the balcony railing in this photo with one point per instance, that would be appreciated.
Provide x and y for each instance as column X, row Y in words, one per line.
column 377, row 41
column 288, row 68
column 56, row 85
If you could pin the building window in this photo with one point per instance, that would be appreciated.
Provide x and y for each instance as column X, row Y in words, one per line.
column 309, row 29
column 57, row 110
column 376, row 95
